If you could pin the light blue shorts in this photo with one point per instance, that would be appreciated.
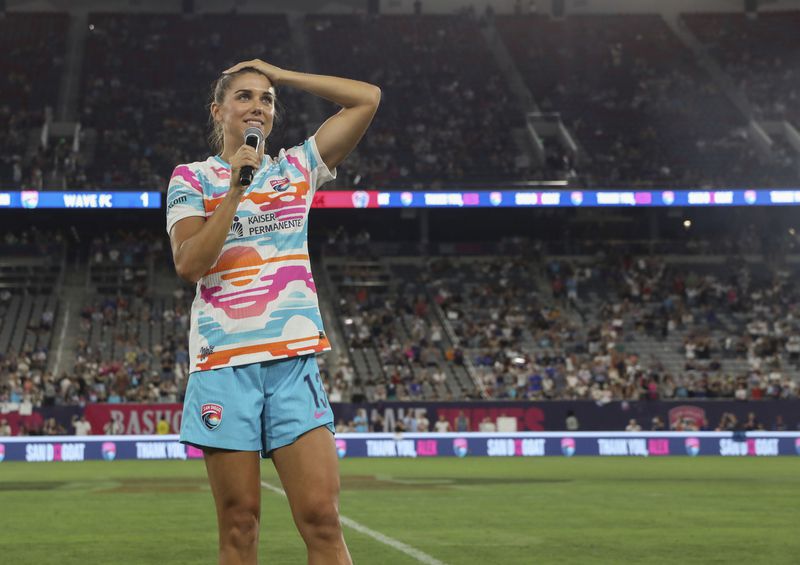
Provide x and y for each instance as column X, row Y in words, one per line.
column 256, row 407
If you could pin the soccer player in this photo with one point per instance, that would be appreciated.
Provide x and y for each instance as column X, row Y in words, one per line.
column 254, row 385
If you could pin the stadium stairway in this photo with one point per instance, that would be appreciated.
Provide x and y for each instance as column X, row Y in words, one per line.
column 524, row 139
column 761, row 139
column 69, row 91
column 325, row 294
column 74, row 291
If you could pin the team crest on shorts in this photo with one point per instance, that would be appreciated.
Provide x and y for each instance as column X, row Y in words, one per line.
column 211, row 414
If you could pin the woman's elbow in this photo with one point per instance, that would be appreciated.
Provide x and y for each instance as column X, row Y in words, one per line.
column 186, row 273
column 376, row 95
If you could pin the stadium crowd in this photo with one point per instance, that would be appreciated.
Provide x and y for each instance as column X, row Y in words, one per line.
column 759, row 54
column 447, row 112
column 527, row 344
column 636, row 98
column 632, row 95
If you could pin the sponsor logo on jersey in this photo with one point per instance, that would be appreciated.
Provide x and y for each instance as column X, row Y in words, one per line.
column 211, row 414
column 205, row 351
column 178, row 200
column 237, row 230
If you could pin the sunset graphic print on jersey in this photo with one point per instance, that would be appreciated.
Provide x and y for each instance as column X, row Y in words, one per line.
column 258, row 301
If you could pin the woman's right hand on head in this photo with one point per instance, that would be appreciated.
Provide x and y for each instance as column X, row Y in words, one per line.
column 245, row 156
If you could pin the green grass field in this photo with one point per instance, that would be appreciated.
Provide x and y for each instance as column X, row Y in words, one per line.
column 458, row 511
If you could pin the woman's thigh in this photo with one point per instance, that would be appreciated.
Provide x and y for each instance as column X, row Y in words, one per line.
column 235, row 478
column 309, row 471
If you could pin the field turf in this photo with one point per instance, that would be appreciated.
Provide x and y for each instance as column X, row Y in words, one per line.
column 458, row 511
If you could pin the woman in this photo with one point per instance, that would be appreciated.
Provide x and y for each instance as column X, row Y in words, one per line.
column 255, row 322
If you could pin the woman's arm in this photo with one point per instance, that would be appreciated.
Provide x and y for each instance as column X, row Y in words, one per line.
column 340, row 133
column 197, row 242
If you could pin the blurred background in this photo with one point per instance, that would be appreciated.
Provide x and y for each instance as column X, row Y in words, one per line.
column 612, row 316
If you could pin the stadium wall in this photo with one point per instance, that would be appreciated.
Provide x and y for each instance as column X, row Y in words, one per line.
column 566, row 444
column 141, row 419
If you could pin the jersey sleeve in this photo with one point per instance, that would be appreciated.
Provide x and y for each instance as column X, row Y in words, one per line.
column 184, row 196
column 311, row 164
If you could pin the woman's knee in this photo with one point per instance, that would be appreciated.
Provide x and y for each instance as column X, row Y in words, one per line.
column 319, row 520
column 240, row 524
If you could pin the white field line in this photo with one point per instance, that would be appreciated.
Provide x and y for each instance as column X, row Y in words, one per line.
column 420, row 556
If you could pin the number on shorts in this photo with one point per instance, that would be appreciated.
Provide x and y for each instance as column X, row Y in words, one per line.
column 317, row 398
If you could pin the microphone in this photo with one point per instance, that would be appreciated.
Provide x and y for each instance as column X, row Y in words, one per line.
column 252, row 137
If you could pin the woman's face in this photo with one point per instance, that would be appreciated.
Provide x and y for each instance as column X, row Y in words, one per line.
column 249, row 102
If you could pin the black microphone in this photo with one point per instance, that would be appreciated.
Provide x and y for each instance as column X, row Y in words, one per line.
column 252, row 137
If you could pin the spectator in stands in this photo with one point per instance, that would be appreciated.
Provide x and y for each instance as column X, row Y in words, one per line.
column 657, row 424
column 53, row 428
column 633, row 426
column 571, row 422
column 727, row 422
column 423, row 424
column 376, row 423
column 752, row 422
column 487, row 425
column 410, row 421
column 5, row 427
column 81, row 426
column 442, row 425
column 360, row 423
column 462, row 422
column 162, row 428
column 113, row 428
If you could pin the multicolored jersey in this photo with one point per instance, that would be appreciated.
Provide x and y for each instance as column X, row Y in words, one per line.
column 258, row 302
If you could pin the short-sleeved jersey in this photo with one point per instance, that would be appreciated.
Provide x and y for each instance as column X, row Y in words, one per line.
column 258, row 302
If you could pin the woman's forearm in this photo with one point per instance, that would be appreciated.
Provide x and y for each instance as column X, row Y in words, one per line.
column 197, row 254
column 342, row 91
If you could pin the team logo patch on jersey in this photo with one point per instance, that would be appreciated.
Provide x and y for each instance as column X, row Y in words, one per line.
column 280, row 184
column 211, row 414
